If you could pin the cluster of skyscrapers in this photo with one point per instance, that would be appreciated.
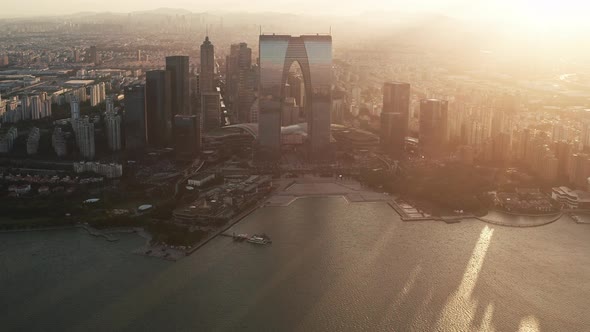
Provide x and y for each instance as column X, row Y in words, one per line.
column 161, row 112
column 395, row 121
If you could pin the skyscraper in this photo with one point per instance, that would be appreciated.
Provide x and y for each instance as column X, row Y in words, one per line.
column 207, row 66
column 395, row 117
column 134, row 118
column 179, row 83
column 240, row 87
column 159, row 108
column 187, row 136
column 211, row 110
column 314, row 55
column 433, row 125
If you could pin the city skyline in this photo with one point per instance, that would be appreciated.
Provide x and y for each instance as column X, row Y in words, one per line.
column 335, row 166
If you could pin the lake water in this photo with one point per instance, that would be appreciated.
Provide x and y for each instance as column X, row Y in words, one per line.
column 333, row 266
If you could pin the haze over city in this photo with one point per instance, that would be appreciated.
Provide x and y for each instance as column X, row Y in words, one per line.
column 377, row 165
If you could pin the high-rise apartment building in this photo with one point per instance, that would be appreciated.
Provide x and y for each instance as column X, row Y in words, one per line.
column 58, row 142
column 159, row 108
column 207, row 74
column 179, row 84
column 110, row 104
column 113, row 131
column 33, row 141
column 36, row 107
column 84, row 129
column 74, row 109
column 395, row 117
column 97, row 93
column 93, row 55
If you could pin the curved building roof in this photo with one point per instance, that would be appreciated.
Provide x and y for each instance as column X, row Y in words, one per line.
column 252, row 129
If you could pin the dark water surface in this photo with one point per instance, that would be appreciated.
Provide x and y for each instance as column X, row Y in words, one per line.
column 332, row 266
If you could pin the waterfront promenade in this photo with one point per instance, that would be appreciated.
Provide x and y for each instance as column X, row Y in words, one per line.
column 290, row 190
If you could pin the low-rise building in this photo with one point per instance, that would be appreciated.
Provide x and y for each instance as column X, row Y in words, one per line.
column 107, row 170
column 201, row 179
column 571, row 199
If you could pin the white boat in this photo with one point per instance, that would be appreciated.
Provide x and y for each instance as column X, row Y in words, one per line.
column 258, row 240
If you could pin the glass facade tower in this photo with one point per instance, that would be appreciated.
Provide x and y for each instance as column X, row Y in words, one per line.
column 313, row 53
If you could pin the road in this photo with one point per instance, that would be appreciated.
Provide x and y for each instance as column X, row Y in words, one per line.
column 188, row 173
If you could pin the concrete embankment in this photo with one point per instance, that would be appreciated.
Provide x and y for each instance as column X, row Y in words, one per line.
column 227, row 226
column 515, row 220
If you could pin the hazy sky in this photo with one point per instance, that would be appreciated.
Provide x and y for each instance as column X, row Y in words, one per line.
column 528, row 12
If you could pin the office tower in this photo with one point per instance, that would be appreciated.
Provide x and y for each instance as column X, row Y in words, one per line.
column 58, row 142
column 85, row 137
column 187, row 136
column 433, row 126
column 179, row 83
column 113, row 131
column 314, row 55
column 211, row 110
column 395, row 117
column 33, row 141
column 134, row 119
column 139, row 55
column 207, row 74
column 159, row 117
column 74, row 109
column 76, row 55
column 93, row 55
column 240, row 86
